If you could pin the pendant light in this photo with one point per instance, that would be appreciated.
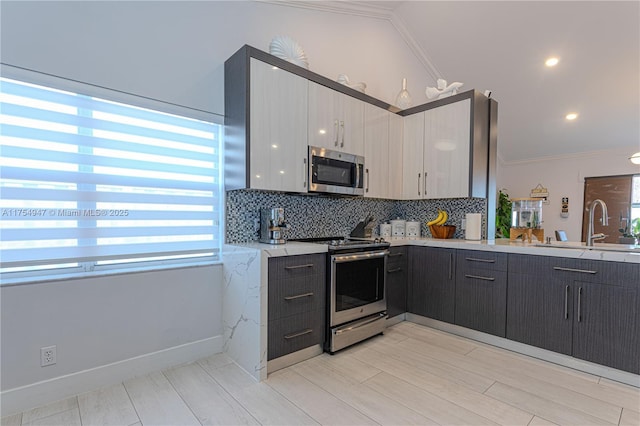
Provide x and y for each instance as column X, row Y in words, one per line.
column 635, row 158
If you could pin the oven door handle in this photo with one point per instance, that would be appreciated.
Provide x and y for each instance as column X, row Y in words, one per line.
column 353, row 257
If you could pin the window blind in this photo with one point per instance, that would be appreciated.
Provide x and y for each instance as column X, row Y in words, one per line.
column 87, row 179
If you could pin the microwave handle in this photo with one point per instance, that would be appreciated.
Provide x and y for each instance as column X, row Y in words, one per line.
column 357, row 182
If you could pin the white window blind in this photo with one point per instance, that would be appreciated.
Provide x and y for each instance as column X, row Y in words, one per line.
column 84, row 179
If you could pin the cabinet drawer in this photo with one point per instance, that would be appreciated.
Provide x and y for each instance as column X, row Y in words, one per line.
column 482, row 260
column 286, row 267
column 296, row 332
column 481, row 301
column 397, row 257
column 294, row 296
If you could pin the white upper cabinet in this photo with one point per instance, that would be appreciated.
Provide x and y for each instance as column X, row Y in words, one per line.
column 447, row 132
column 336, row 120
column 412, row 154
column 278, row 129
column 376, row 152
column 395, row 150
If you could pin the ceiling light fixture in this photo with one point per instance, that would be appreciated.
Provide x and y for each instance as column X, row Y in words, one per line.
column 635, row 158
column 571, row 116
column 551, row 62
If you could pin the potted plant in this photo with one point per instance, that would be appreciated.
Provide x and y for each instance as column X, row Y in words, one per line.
column 503, row 215
column 630, row 231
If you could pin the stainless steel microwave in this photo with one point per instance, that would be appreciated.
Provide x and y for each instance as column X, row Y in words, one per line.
column 335, row 172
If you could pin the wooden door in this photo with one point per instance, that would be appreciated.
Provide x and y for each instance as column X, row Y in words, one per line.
column 615, row 191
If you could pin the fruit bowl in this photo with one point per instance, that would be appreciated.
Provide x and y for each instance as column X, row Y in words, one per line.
column 442, row 231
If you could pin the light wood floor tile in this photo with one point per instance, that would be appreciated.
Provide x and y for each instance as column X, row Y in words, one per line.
column 211, row 404
column 378, row 407
column 262, row 401
column 630, row 418
column 473, row 401
column 542, row 407
column 217, row 360
column 107, row 406
column 538, row 421
column 157, row 402
column 345, row 364
column 423, row 402
column 50, row 409
column 65, row 418
column 15, row 420
column 325, row 408
column 421, row 356
column 437, row 338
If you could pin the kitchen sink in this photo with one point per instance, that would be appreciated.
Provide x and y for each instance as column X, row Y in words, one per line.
column 625, row 248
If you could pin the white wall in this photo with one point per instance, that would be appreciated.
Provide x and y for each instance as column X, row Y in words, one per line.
column 563, row 177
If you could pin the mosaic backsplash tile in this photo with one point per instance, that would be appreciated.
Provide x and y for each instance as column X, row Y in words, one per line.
column 311, row 216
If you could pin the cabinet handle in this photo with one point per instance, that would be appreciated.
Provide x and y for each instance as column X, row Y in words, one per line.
column 308, row 265
column 450, row 265
column 418, row 184
column 298, row 334
column 583, row 271
column 425, row 183
column 342, row 140
column 580, row 304
column 304, row 172
column 367, row 172
column 298, row 296
column 566, row 302
column 478, row 277
column 395, row 254
column 475, row 259
column 335, row 132
column 393, row 271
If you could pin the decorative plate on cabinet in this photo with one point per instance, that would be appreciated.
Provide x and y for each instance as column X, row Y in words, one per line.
column 288, row 49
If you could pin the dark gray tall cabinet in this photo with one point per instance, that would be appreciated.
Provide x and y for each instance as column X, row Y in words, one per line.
column 432, row 282
column 397, row 281
column 583, row 308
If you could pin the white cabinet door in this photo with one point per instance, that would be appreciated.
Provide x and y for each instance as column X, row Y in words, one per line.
column 395, row 151
column 278, row 129
column 412, row 155
column 336, row 121
column 376, row 149
column 446, row 150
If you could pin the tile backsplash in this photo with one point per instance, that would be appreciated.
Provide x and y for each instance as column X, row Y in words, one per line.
column 324, row 215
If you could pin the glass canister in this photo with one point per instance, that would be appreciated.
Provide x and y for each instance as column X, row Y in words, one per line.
column 526, row 213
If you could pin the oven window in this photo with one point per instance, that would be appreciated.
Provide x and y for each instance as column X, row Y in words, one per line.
column 359, row 283
column 332, row 172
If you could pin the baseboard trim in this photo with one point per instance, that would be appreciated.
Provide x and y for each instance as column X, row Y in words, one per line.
column 33, row 395
column 532, row 351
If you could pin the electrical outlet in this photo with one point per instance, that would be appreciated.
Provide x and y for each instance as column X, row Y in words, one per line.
column 47, row 356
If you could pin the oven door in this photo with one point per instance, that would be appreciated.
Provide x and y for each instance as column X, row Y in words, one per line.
column 335, row 172
column 357, row 286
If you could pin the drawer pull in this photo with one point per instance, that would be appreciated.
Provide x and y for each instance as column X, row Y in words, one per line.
column 298, row 296
column 393, row 271
column 583, row 271
column 298, row 334
column 395, row 254
column 308, row 265
column 478, row 277
column 475, row 259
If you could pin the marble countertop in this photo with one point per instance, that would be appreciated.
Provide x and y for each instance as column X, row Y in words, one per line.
column 293, row 248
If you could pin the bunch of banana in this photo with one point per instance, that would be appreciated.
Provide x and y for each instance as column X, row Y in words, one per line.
column 440, row 220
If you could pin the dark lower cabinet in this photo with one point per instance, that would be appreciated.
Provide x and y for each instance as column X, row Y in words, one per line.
column 297, row 301
column 397, row 281
column 583, row 308
column 481, row 291
column 431, row 290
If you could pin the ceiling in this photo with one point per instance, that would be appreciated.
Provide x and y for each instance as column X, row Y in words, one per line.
column 502, row 46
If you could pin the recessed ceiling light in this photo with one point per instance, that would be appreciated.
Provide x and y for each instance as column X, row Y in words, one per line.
column 551, row 62
column 571, row 116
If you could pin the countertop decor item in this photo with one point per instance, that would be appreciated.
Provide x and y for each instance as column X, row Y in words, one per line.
column 343, row 79
column 403, row 100
column 443, row 90
column 503, row 215
column 288, row 49
column 442, row 231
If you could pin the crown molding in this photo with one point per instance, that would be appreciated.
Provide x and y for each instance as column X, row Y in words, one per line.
column 368, row 10
column 620, row 152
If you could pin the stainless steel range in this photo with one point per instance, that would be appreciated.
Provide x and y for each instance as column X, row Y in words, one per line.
column 356, row 294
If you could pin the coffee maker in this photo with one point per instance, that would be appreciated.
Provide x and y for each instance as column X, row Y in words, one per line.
column 272, row 226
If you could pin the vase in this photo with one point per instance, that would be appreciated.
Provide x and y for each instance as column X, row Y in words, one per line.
column 403, row 100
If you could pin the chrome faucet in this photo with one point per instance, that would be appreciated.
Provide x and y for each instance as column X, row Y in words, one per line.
column 605, row 222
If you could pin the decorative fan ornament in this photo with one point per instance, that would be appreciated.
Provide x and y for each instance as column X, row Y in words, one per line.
column 288, row 49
